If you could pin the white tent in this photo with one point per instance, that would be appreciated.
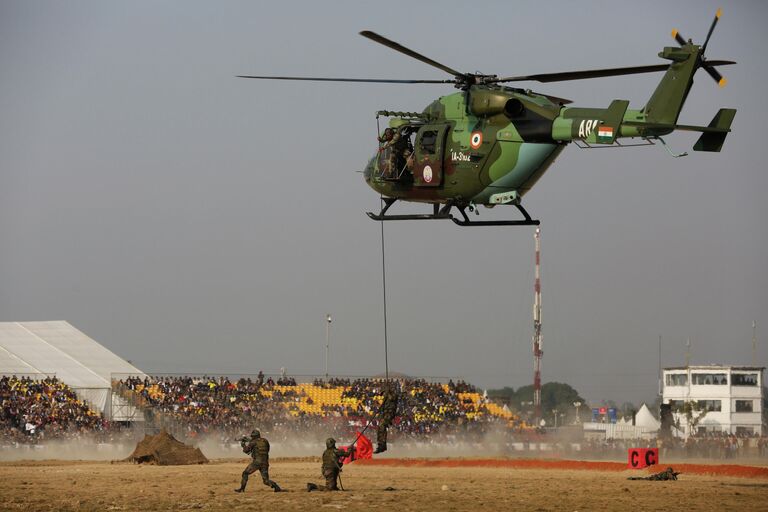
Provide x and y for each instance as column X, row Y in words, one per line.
column 58, row 349
column 644, row 418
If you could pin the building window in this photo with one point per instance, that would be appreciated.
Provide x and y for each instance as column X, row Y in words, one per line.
column 744, row 379
column 743, row 405
column 677, row 379
column 710, row 379
column 710, row 405
column 676, row 405
column 745, row 431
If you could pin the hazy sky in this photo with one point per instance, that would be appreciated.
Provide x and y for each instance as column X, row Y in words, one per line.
column 192, row 221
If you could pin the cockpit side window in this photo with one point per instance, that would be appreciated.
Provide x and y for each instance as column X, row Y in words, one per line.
column 428, row 141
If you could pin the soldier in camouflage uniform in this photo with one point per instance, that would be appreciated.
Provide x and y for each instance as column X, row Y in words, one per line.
column 258, row 448
column 331, row 466
column 668, row 474
column 398, row 153
column 388, row 413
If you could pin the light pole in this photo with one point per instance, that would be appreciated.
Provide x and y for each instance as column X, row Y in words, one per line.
column 327, row 342
column 554, row 413
column 577, row 405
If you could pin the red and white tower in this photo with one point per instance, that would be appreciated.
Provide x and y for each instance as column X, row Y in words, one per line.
column 537, row 351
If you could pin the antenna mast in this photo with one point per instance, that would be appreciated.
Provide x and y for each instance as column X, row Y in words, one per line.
column 754, row 343
column 537, row 352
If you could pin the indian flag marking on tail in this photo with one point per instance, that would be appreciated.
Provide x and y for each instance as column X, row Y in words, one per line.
column 604, row 134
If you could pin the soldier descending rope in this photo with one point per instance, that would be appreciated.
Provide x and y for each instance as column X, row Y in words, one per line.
column 388, row 413
column 668, row 474
column 258, row 448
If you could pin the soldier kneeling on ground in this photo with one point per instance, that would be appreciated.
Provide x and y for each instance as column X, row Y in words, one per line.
column 331, row 468
column 258, row 448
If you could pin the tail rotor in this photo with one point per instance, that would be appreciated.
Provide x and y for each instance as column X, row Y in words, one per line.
column 709, row 68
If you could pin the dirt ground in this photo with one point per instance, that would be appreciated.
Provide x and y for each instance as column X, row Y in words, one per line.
column 104, row 486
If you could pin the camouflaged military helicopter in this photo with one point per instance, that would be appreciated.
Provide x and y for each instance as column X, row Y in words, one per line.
column 489, row 144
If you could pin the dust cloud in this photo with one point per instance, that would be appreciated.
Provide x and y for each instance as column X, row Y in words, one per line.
column 76, row 449
column 311, row 443
column 302, row 444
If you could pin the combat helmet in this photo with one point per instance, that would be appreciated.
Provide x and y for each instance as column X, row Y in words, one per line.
column 255, row 433
column 330, row 443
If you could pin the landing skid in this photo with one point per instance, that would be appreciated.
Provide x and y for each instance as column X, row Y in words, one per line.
column 438, row 213
column 444, row 212
column 528, row 221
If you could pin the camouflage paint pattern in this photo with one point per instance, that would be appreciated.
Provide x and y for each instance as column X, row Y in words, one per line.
column 490, row 144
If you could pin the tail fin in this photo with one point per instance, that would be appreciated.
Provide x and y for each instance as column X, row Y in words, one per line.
column 670, row 95
column 667, row 100
column 713, row 141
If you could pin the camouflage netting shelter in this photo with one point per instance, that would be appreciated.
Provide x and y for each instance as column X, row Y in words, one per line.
column 165, row 450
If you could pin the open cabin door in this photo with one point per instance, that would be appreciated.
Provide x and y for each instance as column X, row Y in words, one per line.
column 428, row 157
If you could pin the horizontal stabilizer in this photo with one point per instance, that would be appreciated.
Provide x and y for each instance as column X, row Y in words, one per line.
column 713, row 141
column 610, row 122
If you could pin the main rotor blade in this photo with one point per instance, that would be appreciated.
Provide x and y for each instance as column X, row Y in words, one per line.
column 373, row 36
column 711, row 28
column 364, row 80
column 595, row 73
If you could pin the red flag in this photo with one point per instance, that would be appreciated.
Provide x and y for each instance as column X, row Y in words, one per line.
column 363, row 450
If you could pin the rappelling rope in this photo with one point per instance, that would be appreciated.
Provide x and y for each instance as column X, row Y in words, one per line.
column 384, row 292
column 386, row 344
column 384, row 302
column 383, row 273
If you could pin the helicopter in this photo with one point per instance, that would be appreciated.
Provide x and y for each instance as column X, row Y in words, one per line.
column 488, row 144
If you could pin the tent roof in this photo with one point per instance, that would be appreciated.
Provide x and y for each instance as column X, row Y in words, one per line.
column 57, row 348
column 644, row 418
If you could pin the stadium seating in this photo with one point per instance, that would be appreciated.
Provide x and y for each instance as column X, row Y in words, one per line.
column 202, row 403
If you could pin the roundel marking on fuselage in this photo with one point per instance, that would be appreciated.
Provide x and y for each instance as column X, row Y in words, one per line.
column 427, row 174
column 476, row 140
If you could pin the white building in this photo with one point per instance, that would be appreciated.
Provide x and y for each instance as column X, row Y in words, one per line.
column 731, row 395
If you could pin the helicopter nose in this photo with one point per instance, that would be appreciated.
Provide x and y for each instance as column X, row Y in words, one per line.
column 368, row 171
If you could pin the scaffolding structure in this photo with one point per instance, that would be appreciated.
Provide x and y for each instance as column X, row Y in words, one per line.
column 537, row 340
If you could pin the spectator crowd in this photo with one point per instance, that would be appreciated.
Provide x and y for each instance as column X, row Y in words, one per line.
column 715, row 445
column 205, row 405
column 35, row 410
column 32, row 411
